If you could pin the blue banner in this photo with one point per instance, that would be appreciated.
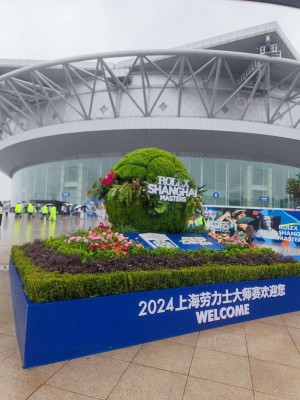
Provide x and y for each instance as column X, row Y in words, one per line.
column 276, row 228
column 51, row 332
column 184, row 241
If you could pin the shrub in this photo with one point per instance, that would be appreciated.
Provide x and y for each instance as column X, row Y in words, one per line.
column 42, row 286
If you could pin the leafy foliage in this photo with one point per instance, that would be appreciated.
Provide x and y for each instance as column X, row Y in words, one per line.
column 193, row 206
column 127, row 199
column 98, row 190
column 293, row 188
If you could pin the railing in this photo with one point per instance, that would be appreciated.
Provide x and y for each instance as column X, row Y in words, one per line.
column 271, row 51
column 249, row 71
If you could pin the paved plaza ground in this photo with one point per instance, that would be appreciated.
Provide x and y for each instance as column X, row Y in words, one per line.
column 258, row 360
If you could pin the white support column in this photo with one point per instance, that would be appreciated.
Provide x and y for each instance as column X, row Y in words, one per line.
column 79, row 183
column 62, row 181
column 248, row 189
column 270, row 186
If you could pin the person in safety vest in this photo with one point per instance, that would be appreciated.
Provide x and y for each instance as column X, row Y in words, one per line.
column 201, row 221
column 44, row 211
column 30, row 210
column 52, row 214
column 18, row 210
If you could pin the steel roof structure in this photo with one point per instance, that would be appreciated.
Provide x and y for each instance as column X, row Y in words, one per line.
column 221, row 100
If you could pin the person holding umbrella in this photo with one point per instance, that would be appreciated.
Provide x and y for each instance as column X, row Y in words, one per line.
column 77, row 209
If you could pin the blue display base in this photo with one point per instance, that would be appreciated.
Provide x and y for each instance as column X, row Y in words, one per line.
column 57, row 331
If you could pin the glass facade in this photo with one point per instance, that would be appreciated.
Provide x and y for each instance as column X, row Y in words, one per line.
column 228, row 182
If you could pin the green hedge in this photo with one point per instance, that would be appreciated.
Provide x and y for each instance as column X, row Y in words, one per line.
column 42, row 286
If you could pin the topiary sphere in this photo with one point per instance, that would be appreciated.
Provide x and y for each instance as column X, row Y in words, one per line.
column 146, row 165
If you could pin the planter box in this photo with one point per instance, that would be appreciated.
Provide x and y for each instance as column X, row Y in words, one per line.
column 51, row 332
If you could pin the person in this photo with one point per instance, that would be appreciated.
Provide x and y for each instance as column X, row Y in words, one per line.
column 94, row 211
column 52, row 213
column 30, row 210
column 6, row 208
column 18, row 210
column 64, row 210
column 268, row 46
column 237, row 215
column 1, row 212
column 101, row 213
column 45, row 212
column 232, row 226
column 82, row 212
column 209, row 215
column 201, row 221
column 266, row 231
column 191, row 222
column 250, row 234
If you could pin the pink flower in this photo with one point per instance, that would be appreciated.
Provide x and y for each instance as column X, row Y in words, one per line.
column 108, row 180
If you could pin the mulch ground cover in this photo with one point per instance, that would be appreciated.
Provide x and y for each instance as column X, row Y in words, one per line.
column 54, row 261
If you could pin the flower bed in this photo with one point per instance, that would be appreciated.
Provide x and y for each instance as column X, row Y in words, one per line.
column 111, row 284
column 101, row 262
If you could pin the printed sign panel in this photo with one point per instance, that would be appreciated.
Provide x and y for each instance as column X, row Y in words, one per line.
column 184, row 241
column 276, row 228
column 155, row 240
column 217, row 304
column 264, row 198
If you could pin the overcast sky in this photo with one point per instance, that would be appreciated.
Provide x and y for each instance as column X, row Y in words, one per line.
column 50, row 29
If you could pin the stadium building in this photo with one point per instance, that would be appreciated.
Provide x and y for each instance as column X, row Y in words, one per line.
column 228, row 106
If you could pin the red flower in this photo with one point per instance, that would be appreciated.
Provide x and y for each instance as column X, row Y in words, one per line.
column 108, row 180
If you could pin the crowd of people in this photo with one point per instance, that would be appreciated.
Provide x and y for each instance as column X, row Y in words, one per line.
column 49, row 212
column 234, row 222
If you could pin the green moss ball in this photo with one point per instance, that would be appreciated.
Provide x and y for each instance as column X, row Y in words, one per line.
column 146, row 165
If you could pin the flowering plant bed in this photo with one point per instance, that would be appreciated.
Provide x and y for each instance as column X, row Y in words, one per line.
column 102, row 262
column 96, row 291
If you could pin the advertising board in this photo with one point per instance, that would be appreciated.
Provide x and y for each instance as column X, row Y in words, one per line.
column 276, row 228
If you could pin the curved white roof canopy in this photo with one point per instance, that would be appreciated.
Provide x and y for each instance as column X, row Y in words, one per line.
column 210, row 102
